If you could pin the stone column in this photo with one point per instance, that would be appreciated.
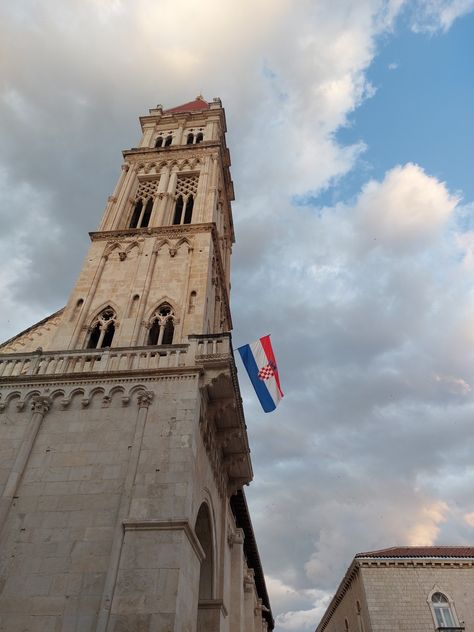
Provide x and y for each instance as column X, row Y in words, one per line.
column 107, row 220
column 249, row 601
column 87, row 303
column 201, row 211
column 159, row 209
column 237, row 582
column 40, row 406
column 144, row 295
column 185, row 295
column 144, row 400
column 169, row 197
column 123, row 200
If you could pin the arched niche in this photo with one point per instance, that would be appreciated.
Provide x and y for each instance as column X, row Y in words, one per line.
column 203, row 531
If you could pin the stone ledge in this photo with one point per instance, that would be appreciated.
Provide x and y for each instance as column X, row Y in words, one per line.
column 167, row 525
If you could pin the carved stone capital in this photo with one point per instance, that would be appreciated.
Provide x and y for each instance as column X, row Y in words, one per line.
column 41, row 404
column 145, row 398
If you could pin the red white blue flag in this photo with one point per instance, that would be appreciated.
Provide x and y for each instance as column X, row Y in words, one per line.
column 259, row 360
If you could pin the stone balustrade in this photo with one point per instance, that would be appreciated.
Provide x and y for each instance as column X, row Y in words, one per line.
column 115, row 359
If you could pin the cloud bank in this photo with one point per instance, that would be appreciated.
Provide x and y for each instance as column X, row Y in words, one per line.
column 369, row 301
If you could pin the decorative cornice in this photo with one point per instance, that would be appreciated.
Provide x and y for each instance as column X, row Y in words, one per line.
column 167, row 231
column 95, row 376
column 135, row 153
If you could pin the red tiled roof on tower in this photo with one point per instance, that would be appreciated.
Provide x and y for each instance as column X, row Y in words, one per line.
column 198, row 104
column 421, row 551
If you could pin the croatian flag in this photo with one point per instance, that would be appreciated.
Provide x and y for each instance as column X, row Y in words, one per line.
column 259, row 360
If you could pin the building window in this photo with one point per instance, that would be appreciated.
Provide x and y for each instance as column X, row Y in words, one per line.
column 162, row 326
column 159, row 142
column 188, row 214
column 199, row 138
column 186, row 189
column 190, row 139
column 168, row 141
column 141, row 215
column 443, row 612
column 102, row 330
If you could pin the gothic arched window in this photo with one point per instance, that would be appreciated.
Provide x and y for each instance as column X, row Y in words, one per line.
column 159, row 142
column 102, row 330
column 147, row 213
column 141, row 216
column 190, row 139
column 168, row 140
column 162, row 326
column 442, row 611
column 199, row 138
column 189, row 210
column 178, row 210
column 137, row 211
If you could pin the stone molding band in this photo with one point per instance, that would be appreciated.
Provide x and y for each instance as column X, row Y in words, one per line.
column 167, row 525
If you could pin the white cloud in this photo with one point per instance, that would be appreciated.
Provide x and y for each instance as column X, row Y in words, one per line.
column 404, row 211
column 370, row 302
column 438, row 15
column 424, row 533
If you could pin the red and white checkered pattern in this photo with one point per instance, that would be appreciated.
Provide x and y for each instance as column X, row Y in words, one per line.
column 266, row 372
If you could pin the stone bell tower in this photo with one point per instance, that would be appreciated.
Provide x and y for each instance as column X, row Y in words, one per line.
column 123, row 442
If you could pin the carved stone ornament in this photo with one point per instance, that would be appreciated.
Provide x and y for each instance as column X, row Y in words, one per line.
column 145, row 398
column 41, row 404
column 122, row 255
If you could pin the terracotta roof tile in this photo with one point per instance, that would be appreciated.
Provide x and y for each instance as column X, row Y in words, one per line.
column 198, row 104
column 421, row 551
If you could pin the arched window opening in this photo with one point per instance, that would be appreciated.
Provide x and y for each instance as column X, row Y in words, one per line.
column 137, row 211
column 199, row 138
column 168, row 333
column 162, row 326
column 192, row 302
column 147, row 213
column 204, row 535
column 168, row 141
column 178, row 210
column 189, row 210
column 154, row 333
column 94, row 337
column 159, row 142
column 443, row 614
column 108, row 337
column 190, row 139
column 103, row 330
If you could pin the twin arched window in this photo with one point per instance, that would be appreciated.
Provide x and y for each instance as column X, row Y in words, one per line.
column 161, row 330
column 162, row 326
column 179, row 217
column 103, row 329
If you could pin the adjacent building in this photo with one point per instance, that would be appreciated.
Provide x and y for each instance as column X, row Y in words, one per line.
column 123, row 443
column 405, row 589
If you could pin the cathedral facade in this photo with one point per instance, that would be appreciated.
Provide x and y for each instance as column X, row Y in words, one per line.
column 123, row 444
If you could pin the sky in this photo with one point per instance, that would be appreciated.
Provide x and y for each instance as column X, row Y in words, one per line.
column 351, row 135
